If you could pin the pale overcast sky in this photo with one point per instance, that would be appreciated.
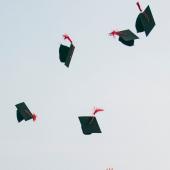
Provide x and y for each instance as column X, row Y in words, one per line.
column 132, row 85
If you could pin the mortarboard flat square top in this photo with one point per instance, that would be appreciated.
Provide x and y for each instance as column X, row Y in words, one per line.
column 127, row 37
column 89, row 125
column 145, row 21
column 23, row 113
column 65, row 54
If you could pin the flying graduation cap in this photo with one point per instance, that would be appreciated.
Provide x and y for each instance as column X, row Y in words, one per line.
column 126, row 37
column 89, row 124
column 65, row 52
column 23, row 113
column 145, row 21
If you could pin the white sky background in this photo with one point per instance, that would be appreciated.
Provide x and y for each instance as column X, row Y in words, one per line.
column 132, row 85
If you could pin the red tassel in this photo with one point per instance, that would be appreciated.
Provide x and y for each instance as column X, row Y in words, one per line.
column 114, row 33
column 67, row 37
column 97, row 110
column 94, row 112
column 139, row 7
column 34, row 117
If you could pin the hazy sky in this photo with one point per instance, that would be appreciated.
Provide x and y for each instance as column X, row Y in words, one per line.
column 132, row 85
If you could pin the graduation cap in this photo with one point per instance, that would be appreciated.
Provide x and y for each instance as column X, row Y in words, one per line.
column 126, row 37
column 65, row 52
column 145, row 21
column 23, row 113
column 89, row 124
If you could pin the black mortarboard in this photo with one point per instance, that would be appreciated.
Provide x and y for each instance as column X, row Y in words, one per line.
column 89, row 125
column 65, row 54
column 23, row 113
column 145, row 21
column 126, row 37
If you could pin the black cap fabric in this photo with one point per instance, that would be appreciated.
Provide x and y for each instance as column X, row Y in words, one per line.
column 127, row 37
column 89, row 125
column 23, row 113
column 65, row 54
column 145, row 21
